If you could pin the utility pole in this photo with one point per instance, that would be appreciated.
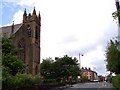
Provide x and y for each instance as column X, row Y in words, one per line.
column 118, row 10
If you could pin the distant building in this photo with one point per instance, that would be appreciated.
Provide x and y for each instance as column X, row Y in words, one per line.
column 91, row 75
column 101, row 78
column 27, row 37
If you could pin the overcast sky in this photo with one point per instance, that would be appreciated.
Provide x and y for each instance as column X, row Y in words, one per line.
column 69, row 27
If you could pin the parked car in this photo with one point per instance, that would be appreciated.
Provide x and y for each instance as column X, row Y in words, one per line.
column 95, row 80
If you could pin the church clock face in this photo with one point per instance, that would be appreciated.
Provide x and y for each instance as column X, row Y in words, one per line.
column 29, row 30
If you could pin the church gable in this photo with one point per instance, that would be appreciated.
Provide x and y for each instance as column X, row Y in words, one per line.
column 8, row 29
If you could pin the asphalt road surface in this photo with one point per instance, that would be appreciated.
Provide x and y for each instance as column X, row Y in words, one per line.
column 92, row 86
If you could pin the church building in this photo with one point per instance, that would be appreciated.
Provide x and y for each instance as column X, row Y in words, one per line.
column 27, row 38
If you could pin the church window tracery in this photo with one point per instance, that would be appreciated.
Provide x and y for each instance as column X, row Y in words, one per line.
column 29, row 31
column 21, row 46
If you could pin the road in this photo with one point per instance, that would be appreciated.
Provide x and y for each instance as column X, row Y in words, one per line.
column 92, row 86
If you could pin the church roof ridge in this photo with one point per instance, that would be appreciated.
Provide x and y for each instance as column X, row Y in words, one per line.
column 9, row 25
column 17, row 28
column 7, row 29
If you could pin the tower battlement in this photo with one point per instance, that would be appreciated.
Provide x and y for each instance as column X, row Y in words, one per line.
column 31, row 17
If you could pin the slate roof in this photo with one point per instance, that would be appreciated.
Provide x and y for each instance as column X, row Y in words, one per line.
column 8, row 29
column 84, row 70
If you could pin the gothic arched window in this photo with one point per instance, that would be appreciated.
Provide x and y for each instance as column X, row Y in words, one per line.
column 36, row 70
column 29, row 32
column 21, row 46
column 36, row 33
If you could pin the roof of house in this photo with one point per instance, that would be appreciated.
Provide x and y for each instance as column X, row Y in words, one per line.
column 87, row 70
column 8, row 29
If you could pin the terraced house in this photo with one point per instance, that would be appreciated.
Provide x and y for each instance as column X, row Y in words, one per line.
column 90, row 74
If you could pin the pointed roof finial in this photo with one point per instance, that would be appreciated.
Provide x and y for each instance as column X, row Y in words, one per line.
column 34, row 11
column 13, row 27
column 39, row 14
column 25, row 12
column 13, row 22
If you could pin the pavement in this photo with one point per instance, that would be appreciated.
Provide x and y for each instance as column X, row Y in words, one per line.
column 92, row 86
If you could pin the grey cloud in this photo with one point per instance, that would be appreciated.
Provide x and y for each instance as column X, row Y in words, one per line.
column 69, row 39
column 99, row 66
column 101, row 69
column 110, row 33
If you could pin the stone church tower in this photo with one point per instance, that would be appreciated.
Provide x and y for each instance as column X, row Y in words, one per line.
column 27, row 38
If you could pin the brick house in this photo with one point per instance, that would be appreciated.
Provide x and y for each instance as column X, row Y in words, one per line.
column 91, row 75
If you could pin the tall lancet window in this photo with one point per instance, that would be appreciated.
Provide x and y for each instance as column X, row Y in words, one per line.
column 21, row 46
column 36, row 70
column 36, row 33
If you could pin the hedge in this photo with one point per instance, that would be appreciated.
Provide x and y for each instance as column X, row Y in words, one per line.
column 20, row 80
column 116, row 81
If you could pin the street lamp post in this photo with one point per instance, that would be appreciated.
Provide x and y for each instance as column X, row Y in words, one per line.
column 118, row 10
column 117, row 7
column 80, row 60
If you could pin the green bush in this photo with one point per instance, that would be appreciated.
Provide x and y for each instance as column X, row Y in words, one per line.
column 116, row 82
column 84, row 79
column 6, row 79
column 20, row 80
column 49, row 80
column 24, row 80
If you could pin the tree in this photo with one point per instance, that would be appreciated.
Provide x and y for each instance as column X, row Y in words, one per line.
column 116, row 14
column 46, row 67
column 61, row 68
column 67, row 66
column 10, row 63
column 113, row 57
